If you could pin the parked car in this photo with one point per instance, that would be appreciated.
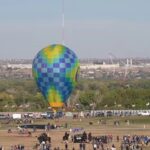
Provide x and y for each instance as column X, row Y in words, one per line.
column 17, row 116
column 109, row 113
column 47, row 115
column 99, row 114
column 59, row 114
column 78, row 138
column 28, row 115
column 144, row 113
column 2, row 116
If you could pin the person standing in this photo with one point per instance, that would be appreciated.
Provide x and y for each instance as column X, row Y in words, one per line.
column 94, row 146
column 81, row 146
column 66, row 146
column 113, row 147
column 84, row 146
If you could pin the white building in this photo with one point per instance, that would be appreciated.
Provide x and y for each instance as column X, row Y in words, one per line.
column 99, row 66
column 19, row 66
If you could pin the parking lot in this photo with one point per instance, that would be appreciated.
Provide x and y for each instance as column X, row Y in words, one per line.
column 92, row 113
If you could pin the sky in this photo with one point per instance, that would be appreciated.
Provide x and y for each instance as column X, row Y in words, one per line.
column 92, row 28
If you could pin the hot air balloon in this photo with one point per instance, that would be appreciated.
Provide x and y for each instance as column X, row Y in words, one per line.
column 55, row 70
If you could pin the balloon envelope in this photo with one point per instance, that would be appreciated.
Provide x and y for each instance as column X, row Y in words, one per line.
column 55, row 70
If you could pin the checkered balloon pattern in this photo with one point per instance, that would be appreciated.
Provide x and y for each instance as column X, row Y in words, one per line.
column 55, row 70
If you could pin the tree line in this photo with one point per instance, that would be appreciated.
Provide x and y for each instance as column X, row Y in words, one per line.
column 24, row 95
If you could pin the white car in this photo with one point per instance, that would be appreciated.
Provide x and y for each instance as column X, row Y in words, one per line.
column 144, row 113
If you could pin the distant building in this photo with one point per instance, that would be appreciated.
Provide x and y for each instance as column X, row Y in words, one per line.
column 19, row 66
column 99, row 66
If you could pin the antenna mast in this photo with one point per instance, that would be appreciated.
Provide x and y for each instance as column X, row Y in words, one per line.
column 63, row 21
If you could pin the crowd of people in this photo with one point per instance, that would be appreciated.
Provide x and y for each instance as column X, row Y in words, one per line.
column 134, row 142
column 85, row 140
column 102, row 142
column 14, row 147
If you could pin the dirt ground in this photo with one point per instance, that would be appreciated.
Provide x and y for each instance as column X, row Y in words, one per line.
column 14, row 138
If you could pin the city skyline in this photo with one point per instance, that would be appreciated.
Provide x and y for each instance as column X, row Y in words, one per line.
column 93, row 29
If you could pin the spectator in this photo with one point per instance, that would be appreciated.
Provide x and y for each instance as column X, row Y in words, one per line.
column 90, row 137
column 45, row 128
column 34, row 129
column 48, row 126
column 113, row 147
column 117, row 138
column 84, row 136
column 66, row 146
column 81, row 146
column 84, row 146
column 94, row 146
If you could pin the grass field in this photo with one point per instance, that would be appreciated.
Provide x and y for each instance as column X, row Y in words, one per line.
column 136, row 126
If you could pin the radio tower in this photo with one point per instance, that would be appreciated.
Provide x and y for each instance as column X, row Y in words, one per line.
column 63, row 22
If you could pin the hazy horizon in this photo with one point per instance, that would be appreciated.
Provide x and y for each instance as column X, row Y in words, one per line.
column 93, row 29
